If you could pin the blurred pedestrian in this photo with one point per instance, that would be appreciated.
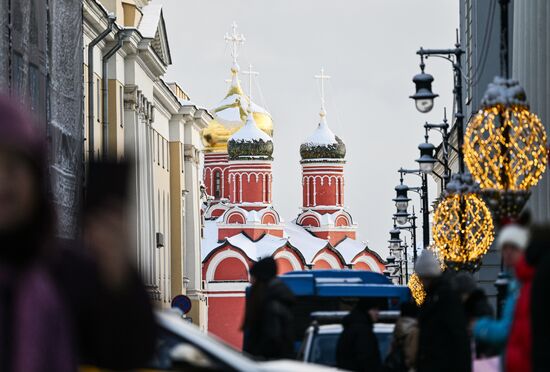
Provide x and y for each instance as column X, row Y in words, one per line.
column 538, row 257
column 512, row 242
column 357, row 348
column 59, row 303
column 443, row 338
column 268, row 331
column 476, row 305
column 404, row 347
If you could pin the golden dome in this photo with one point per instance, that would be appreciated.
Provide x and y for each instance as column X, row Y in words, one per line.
column 230, row 115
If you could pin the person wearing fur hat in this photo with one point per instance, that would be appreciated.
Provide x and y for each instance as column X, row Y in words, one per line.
column 443, row 343
column 267, row 327
column 512, row 242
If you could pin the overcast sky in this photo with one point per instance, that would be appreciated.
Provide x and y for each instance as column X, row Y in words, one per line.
column 366, row 46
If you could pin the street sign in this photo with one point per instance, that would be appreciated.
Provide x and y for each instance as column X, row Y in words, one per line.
column 182, row 302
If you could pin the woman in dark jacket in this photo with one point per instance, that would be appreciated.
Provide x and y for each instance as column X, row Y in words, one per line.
column 60, row 303
column 268, row 332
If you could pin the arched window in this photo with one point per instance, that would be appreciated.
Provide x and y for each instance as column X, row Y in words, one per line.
column 217, row 184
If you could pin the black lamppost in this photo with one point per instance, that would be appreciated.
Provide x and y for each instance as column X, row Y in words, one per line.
column 423, row 193
column 424, row 96
column 442, row 128
column 411, row 228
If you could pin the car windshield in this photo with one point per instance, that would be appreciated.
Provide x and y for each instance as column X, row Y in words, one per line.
column 176, row 331
column 323, row 347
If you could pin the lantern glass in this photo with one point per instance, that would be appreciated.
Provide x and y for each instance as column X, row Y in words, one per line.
column 402, row 205
column 424, row 105
column 401, row 220
column 426, row 167
column 398, row 253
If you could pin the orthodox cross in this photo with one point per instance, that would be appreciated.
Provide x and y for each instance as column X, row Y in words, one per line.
column 235, row 40
column 251, row 75
column 322, row 77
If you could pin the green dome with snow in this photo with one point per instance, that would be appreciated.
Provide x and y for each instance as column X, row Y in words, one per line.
column 323, row 144
column 250, row 143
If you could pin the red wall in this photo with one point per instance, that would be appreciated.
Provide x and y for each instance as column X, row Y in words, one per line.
column 225, row 317
column 334, row 237
column 231, row 268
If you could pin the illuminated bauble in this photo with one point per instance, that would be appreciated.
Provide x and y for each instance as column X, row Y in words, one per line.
column 463, row 227
column 417, row 289
column 462, row 230
column 505, row 144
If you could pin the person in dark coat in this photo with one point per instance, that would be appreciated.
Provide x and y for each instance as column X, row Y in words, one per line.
column 443, row 344
column 402, row 356
column 267, row 327
column 538, row 256
column 61, row 303
column 357, row 348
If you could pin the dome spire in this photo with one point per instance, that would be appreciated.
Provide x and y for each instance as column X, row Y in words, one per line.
column 235, row 40
column 323, row 113
column 251, row 75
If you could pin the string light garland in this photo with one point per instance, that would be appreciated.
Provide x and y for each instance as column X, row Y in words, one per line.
column 463, row 228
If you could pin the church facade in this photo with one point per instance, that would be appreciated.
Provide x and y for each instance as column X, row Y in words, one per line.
column 242, row 226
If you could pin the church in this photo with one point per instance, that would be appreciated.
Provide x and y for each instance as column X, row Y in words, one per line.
column 241, row 225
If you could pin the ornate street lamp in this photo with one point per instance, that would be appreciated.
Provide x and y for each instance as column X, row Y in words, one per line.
column 401, row 197
column 505, row 148
column 423, row 97
column 463, row 227
column 395, row 241
column 401, row 217
column 426, row 161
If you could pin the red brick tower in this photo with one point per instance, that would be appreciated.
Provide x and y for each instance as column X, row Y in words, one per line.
column 323, row 158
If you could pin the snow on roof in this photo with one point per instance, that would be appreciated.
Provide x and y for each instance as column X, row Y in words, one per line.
column 322, row 135
column 230, row 115
column 349, row 248
column 264, row 247
column 255, row 108
column 210, row 238
column 296, row 235
column 229, row 100
column 250, row 132
column 150, row 20
column 302, row 240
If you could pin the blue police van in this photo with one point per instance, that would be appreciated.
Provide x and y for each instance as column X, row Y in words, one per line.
column 337, row 291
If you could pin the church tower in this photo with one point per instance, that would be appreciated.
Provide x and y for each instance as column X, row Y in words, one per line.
column 229, row 116
column 323, row 158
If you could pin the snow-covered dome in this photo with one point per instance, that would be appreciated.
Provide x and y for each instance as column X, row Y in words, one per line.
column 230, row 115
column 323, row 143
column 250, row 142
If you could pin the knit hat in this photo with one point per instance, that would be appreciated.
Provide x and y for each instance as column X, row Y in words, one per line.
column 427, row 265
column 513, row 234
column 264, row 270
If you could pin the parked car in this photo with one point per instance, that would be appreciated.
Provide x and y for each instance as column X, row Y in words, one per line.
column 319, row 344
column 182, row 346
